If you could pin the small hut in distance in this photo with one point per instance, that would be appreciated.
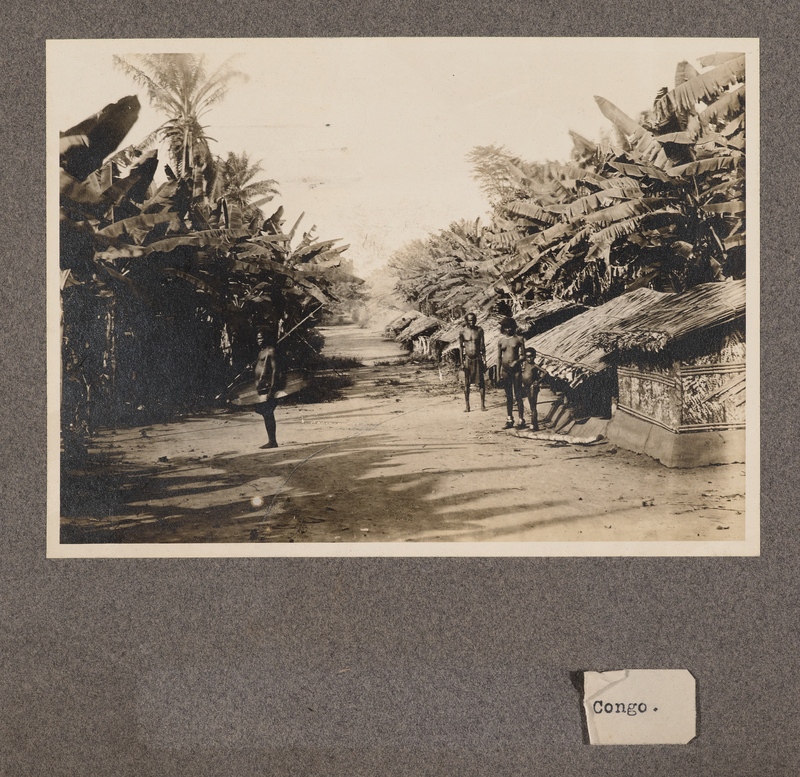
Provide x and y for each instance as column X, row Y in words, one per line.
column 681, row 377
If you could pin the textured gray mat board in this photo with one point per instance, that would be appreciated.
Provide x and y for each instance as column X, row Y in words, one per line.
column 370, row 666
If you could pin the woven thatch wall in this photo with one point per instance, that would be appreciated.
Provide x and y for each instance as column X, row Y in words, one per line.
column 653, row 394
column 700, row 393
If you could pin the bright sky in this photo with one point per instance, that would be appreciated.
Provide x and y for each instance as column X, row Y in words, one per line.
column 369, row 136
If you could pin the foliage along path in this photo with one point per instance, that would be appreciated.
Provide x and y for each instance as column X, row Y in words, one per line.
column 392, row 458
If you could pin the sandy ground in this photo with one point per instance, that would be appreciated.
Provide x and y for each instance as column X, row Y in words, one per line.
column 394, row 458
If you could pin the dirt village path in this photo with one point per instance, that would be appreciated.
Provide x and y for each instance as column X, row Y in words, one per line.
column 393, row 458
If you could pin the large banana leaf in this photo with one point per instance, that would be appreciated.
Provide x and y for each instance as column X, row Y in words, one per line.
column 737, row 142
column 733, row 187
column 684, row 72
column 103, row 132
column 683, row 138
column 145, row 169
column 641, row 139
column 255, row 268
column 617, row 230
column 116, row 253
column 312, row 267
column 544, row 237
column 639, row 171
column 711, row 164
column 731, row 207
column 503, row 240
column 734, row 241
column 704, row 87
column 201, row 284
column 163, row 199
column 732, row 126
column 583, row 145
column 591, row 202
column 530, row 210
column 628, row 186
column 218, row 238
column 86, row 194
column 726, row 106
column 142, row 223
column 720, row 58
column 625, row 210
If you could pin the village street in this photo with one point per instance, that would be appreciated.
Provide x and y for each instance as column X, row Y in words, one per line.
column 392, row 458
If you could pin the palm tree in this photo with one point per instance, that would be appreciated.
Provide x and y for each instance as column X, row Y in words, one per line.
column 179, row 86
column 236, row 184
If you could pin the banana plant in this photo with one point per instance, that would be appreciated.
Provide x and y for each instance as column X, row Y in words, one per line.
column 660, row 205
column 170, row 269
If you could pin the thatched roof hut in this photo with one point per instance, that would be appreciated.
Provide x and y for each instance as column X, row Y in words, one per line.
column 421, row 325
column 570, row 350
column 682, row 376
column 676, row 317
column 397, row 325
column 544, row 315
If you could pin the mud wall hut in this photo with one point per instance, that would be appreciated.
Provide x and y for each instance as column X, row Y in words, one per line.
column 681, row 377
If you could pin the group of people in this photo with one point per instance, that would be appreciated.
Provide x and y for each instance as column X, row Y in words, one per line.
column 517, row 372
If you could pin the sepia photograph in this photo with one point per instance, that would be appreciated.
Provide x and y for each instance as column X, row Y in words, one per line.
column 403, row 297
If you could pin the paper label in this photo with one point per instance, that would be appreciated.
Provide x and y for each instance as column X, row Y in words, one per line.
column 640, row 707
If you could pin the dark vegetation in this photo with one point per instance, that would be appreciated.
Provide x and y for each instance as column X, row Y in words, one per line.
column 163, row 286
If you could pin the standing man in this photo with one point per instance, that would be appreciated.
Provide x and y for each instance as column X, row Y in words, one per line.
column 510, row 355
column 267, row 383
column 472, row 348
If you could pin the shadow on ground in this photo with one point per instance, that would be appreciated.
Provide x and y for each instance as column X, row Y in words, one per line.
column 363, row 487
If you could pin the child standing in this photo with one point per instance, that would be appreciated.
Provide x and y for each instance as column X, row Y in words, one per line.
column 531, row 381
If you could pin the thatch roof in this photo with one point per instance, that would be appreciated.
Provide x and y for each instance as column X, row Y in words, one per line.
column 569, row 351
column 676, row 317
column 546, row 314
column 419, row 326
column 397, row 325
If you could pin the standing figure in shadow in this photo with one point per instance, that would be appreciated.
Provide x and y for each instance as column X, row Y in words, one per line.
column 510, row 355
column 267, row 376
column 472, row 348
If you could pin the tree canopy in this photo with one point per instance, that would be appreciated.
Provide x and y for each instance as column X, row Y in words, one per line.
column 660, row 203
